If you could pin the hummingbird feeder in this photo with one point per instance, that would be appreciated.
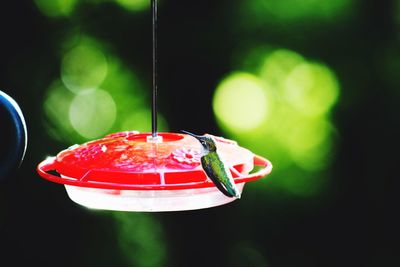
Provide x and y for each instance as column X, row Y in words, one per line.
column 128, row 171
column 132, row 171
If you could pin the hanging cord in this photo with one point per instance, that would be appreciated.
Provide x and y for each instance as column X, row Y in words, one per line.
column 154, row 83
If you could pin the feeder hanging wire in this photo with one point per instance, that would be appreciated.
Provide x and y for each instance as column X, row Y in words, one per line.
column 154, row 82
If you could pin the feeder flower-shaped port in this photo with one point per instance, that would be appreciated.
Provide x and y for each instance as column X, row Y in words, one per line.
column 187, row 156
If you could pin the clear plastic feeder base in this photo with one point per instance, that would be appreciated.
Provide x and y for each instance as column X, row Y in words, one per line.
column 149, row 200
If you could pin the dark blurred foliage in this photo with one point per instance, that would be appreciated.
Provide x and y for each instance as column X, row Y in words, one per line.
column 354, row 224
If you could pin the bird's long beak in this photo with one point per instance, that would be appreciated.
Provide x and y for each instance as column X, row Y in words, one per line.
column 192, row 134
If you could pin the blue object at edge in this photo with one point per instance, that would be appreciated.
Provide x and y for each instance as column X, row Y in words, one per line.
column 19, row 142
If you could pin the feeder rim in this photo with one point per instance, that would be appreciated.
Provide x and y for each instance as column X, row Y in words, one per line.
column 48, row 165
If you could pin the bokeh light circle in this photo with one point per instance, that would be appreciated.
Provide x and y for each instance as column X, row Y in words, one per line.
column 240, row 102
column 92, row 113
column 83, row 67
column 311, row 88
column 278, row 65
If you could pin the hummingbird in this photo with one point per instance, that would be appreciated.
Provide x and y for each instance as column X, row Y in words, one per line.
column 214, row 167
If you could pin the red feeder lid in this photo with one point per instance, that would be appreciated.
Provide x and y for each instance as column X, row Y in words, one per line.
column 128, row 161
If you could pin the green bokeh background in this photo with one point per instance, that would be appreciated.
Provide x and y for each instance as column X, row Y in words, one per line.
column 318, row 81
